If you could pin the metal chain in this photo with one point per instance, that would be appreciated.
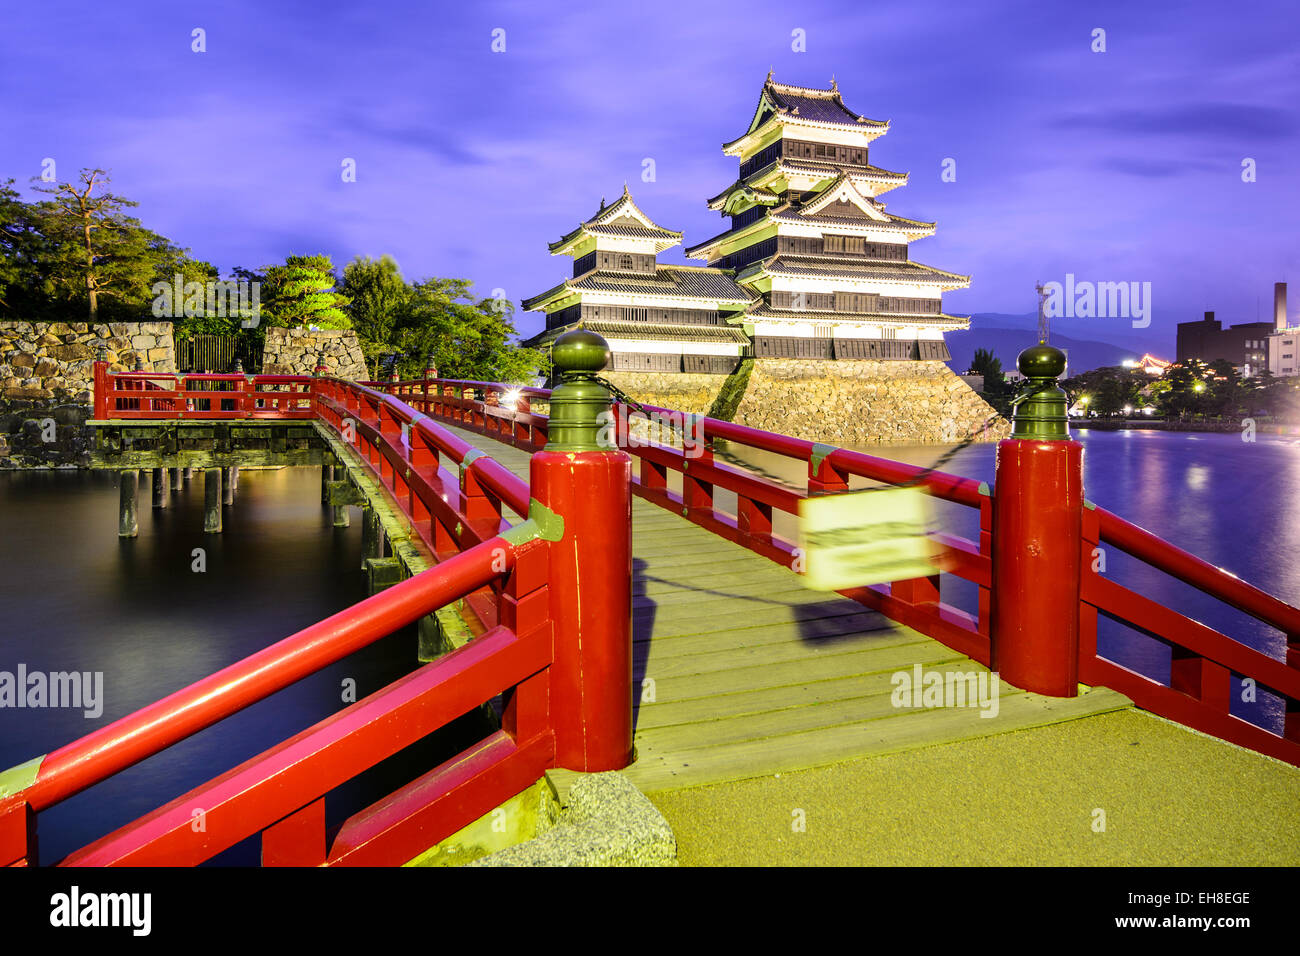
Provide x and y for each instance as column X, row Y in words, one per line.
column 920, row 477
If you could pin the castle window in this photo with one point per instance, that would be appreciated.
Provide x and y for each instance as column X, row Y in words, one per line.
column 625, row 262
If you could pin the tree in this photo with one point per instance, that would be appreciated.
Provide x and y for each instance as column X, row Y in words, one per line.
column 467, row 338
column 985, row 363
column 301, row 293
column 19, row 240
column 378, row 294
column 997, row 391
column 92, row 246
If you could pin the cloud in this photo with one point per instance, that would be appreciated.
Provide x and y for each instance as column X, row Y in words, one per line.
column 1218, row 120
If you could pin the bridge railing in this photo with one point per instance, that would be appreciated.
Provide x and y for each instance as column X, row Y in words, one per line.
column 562, row 665
column 280, row 793
column 163, row 395
column 1208, row 668
column 1204, row 661
column 451, row 493
column 915, row 603
column 502, row 412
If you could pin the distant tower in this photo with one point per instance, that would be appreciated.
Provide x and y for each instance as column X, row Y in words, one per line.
column 1042, row 313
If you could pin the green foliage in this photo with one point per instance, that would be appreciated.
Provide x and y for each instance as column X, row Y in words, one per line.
column 1108, row 390
column 998, row 392
column 378, row 294
column 987, row 364
column 80, row 250
column 1186, row 391
column 439, row 319
column 300, row 294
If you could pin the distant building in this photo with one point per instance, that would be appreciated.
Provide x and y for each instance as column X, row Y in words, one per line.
column 655, row 317
column 830, row 270
column 1244, row 346
column 1284, row 341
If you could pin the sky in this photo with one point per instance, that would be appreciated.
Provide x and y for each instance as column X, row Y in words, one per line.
column 1117, row 166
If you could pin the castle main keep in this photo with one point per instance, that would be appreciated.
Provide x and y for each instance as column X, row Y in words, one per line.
column 810, row 318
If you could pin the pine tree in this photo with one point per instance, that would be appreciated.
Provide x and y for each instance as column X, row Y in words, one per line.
column 301, row 294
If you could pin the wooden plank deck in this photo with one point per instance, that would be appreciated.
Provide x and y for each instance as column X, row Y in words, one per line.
column 745, row 673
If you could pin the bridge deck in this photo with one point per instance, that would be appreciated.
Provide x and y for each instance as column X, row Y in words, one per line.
column 753, row 674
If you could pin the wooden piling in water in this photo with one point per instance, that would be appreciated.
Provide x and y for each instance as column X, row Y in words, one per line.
column 175, row 474
column 128, row 482
column 160, row 493
column 326, row 476
column 212, row 500
column 227, row 489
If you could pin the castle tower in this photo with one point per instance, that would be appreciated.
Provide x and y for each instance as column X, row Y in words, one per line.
column 666, row 319
column 829, row 268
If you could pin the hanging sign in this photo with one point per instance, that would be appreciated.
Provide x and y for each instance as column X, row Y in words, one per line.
column 866, row 537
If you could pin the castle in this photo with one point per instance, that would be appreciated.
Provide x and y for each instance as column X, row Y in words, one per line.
column 811, row 318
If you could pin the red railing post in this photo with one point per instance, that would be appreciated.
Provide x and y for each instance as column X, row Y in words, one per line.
column 1037, row 538
column 101, row 390
column 582, row 490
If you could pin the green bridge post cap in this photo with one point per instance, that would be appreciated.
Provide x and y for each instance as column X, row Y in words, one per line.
column 1042, row 416
column 578, row 401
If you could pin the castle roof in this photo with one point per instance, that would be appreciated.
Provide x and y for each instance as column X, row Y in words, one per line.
column 623, row 219
column 692, row 282
column 815, row 267
column 783, row 102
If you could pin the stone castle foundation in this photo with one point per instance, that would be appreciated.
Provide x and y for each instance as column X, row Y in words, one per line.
column 865, row 401
column 846, row 402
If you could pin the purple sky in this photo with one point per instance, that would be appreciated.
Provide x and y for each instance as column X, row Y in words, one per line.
column 1115, row 166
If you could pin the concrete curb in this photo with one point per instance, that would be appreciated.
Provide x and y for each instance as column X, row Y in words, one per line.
column 607, row 821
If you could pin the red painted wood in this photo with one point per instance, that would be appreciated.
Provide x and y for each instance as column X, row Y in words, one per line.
column 298, row 839
column 591, row 604
column 100, row 754
column 1037, row 530
column 17, row 833
column 428, row 810
column 270, row 786
column 1181, row 631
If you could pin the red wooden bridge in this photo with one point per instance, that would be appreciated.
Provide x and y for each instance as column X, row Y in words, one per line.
column 547, row 567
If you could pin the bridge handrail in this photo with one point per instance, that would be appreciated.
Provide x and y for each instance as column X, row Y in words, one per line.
column 69, row 770
column 1200, row 574
column 507, row 486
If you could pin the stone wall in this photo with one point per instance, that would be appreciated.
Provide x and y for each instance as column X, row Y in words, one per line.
column 37, row 433
column 296, row 352
column 54, row 361
column 680, row 391
column 863, row 401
